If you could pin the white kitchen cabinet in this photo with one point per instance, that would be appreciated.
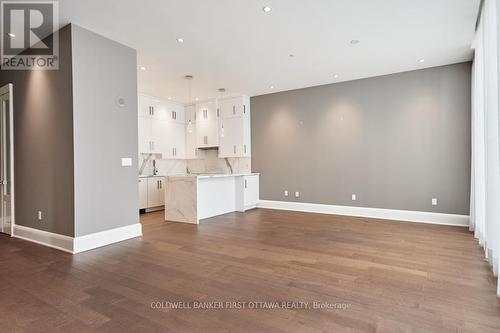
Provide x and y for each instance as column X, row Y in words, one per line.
column 206, row 111
column 161, row 128
column 250, row 191
column 234, row 107
column 192, row 151
column 190, row 113
column 207, row 134
column 156, row 191
column 235, row 137
column 143, row 193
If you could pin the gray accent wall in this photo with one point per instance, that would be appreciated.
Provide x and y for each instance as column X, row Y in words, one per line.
column 106, row 194
column 395, row 141
column 43, row 143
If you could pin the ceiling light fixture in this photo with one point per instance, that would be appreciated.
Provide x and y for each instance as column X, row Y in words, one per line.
column 267, row 9
column 143, row 68
column 335, row 76
column 170, row 98
column 196, row 99
column 180, row 40
column 354, row 41
column 11, row 35
column 421, row 60
column 272, row 87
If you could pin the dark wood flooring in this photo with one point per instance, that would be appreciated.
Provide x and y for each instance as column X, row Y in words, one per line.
column 388, row 276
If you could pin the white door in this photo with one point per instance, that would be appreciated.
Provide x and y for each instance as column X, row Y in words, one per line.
column 6, row 161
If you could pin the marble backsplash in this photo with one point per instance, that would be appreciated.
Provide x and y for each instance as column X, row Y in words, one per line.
column 213, row 164
column 210, row 164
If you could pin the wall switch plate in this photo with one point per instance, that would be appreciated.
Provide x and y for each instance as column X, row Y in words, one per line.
column 285, row 193
column 126, row 161
column 39, row 215
column 353, row 197
column 297, row 194
column 434, row 201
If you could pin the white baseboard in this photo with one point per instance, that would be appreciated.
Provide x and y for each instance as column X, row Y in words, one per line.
column 56, row 241
column 77, row 244
column 98, row 239
column 377, row 213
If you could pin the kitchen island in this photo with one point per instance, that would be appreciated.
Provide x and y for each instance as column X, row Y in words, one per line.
column 191, row 198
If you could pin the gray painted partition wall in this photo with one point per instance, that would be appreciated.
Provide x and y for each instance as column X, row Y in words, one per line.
column 70, row 135
column 395, row 141
column 106, row 194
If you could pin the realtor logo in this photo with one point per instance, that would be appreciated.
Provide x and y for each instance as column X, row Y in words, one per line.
column 29, row 37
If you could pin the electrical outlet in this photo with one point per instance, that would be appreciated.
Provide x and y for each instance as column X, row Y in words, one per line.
column 434, row 201
column 39, row 215
column 297, row 194
column 353, row 197
column 285, row 193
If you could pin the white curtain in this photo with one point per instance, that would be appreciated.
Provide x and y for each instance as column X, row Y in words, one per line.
column 485, row 184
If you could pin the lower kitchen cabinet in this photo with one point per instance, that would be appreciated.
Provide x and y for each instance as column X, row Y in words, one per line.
column 151, row 192
column 247, row 192
column 143, row 193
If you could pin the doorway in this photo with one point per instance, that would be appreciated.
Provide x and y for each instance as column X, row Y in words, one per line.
column 6, row 160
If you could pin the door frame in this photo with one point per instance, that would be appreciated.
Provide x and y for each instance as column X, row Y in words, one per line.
column 9, row 89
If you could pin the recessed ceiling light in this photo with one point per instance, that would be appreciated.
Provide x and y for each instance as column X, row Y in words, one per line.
column 354, row 41
column 180, row 40
column 335, row 76
column 267, row 9
column 11, row 35
column 271, row 87
column 196, row 98
column 143, row 68
column 170, row 98
column 421, row 60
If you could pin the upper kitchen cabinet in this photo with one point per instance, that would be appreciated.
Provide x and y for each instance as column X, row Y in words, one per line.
column 207, row 124
column 234, row 107
column 161, row 128
column 234, row 137
column 234, row 131
column 152, row 107
column 206, row 111
column 190, row 112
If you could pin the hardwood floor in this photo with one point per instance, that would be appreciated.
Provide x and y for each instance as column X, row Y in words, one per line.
column 387, row 276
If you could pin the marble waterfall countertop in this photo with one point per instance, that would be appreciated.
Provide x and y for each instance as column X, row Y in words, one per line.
column 212, row 175
column 192, row 197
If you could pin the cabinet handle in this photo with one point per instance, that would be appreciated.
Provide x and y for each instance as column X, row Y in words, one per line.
column 161, row 184
column 244, row 108
column 234, row 109
column 217, row 112
column 234, row 149
column 245, row 148
column 158, row 184
column 246, row 184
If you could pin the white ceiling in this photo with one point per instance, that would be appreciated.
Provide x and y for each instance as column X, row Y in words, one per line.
column 234, row 44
